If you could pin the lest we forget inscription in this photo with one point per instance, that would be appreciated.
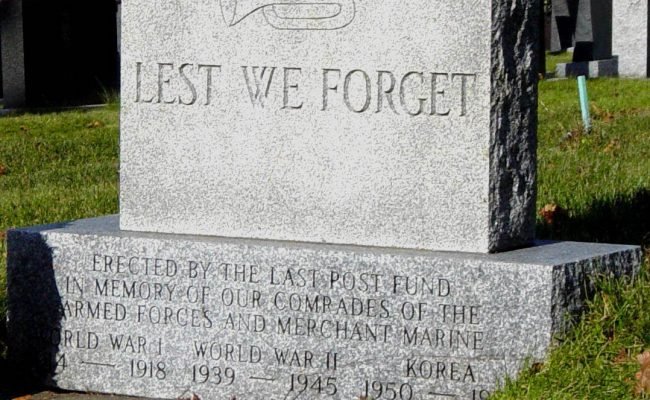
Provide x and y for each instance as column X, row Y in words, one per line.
column 173, row 316
column 380, row 123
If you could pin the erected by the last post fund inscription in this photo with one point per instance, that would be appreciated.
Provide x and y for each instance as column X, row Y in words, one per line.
column 379, row 123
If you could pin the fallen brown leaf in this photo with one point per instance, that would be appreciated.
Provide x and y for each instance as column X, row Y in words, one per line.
column 643, row 376
column 550, row 213
column 602, row 115
column 3, row 169
column 192, row 396
column 641, row 112
column 573, row 138
column 613, row 144
column 537, row 367
column 621, row 357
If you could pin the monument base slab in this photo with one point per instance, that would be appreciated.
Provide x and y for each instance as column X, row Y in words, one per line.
column 591, row 69
column 93, row 308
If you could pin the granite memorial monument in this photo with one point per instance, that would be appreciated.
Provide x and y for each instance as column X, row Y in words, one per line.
column 310, row 196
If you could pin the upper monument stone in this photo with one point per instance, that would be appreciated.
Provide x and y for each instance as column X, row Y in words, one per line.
column 381, row 123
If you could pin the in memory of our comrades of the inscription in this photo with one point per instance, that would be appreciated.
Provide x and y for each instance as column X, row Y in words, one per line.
column 386, row 129
column 353, row 121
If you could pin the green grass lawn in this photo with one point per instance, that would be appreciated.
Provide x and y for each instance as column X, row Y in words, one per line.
column 601, row 179
column 601, row 182
column 62, row 166
column 55, row 167
column 554, row 59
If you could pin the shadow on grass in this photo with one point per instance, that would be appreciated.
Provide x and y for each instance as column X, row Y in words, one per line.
column 15, row 382
column 624, row 220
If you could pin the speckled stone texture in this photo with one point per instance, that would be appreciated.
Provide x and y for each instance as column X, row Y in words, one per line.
column 631, row 37
column 13, row 53
column 93, row 308
column 390, row 124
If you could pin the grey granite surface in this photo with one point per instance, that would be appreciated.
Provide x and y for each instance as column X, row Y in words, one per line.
column 93, row 308
column 391, row 124
column 513, row 124
column 13, row 54
column 631, row 37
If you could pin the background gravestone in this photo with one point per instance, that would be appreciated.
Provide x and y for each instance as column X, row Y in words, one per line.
column 631, row 37
column 13, row 58
column 58, row 53
column 585, row 26
column 1, row 65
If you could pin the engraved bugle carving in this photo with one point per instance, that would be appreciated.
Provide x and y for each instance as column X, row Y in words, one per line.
column 310, row 14
column 235, row 10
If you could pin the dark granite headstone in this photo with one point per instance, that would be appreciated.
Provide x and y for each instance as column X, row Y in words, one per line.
column 13, row 59
column 59, row 53
column 585, row 25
